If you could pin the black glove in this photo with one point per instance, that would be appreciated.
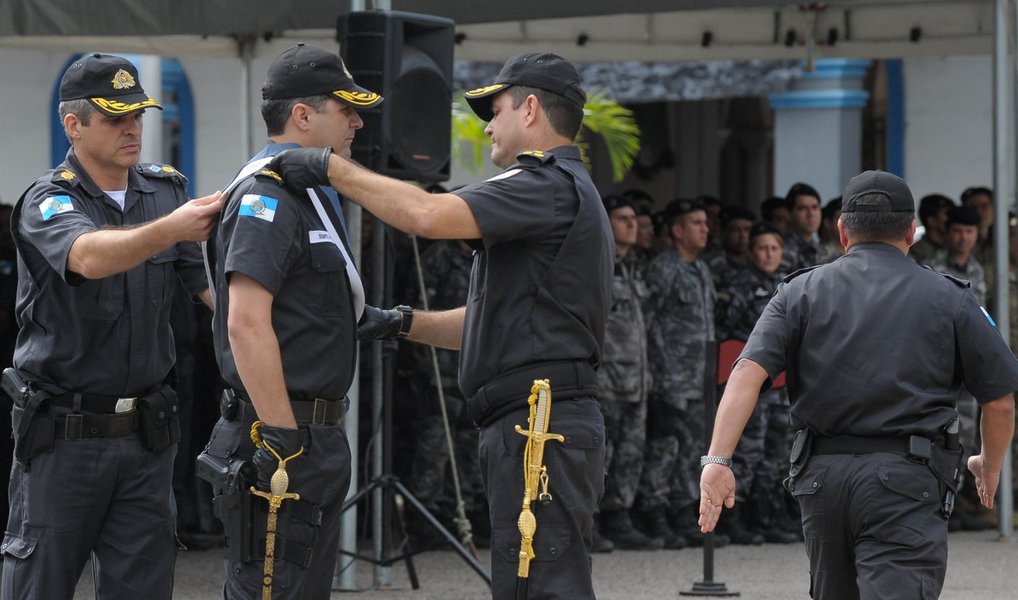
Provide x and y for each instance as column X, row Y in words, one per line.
column 302, row 168
column 286, row 442
column 380, row 324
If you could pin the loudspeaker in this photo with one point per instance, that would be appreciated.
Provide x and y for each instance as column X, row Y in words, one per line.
column 407, row 58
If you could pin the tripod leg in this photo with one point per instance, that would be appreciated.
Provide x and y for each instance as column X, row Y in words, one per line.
column 408, row 552
column 470, row 559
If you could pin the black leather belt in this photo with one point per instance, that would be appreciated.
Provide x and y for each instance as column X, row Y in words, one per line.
column 76, row 426
column 854, row 444
column 91, row 402
column 320, row 411
column 509, row 391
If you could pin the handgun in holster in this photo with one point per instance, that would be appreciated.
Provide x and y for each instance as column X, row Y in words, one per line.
column 32, row 430
column 230, row 479
column 802, row 449
column 946, row 464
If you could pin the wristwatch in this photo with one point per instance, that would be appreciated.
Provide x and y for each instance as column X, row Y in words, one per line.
column 715, row 460
column 407, row 312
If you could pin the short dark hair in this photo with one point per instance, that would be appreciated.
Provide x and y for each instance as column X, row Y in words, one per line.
column 565, row 116
column 885, row 226
column 976, row 191
column 276, row 112
column 931, row 204
column 80, row 107
column 768, row 206
column 800, row 189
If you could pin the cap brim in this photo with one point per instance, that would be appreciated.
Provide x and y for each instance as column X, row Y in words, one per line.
column 357, row 97
column 122, row 105
column 478, row 99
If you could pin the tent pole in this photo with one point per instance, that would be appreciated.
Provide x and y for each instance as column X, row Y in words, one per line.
column 1003, row 173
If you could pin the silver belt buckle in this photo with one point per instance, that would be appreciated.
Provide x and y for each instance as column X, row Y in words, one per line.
column 126, row 405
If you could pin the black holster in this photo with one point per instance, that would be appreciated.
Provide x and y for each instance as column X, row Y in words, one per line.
column 231, row 479
column 802, row 449
column 31, row 428
column 158, row 423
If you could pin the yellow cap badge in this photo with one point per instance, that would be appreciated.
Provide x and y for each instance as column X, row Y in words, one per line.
column 123, row 80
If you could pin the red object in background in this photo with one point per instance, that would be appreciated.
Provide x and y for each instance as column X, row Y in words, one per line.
column 728, row 352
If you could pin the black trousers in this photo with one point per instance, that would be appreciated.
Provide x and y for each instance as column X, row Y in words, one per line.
column 873, row 527
column 561, row 568
column 322, row 477
column 108, row 498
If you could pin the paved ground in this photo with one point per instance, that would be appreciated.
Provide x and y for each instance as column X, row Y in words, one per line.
column 980, row 568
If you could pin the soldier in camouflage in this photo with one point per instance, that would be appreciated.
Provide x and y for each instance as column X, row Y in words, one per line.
column 446, row 267
column 733, row 254
column 679, row 313
column 802, row 241
column 762, row 453
column 622, row 380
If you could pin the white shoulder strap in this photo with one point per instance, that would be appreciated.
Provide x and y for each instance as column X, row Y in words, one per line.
column 356, row 286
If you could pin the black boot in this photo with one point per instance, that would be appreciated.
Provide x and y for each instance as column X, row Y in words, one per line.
column 618, row 527
column 654, row 524
column 601, row 544
column 733, row 524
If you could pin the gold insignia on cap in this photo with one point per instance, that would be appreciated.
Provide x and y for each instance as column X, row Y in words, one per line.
column 484, row 90
column 66, row 175
column 271, row 174
column 123, row 80
column 116, row 107
column 358, row 98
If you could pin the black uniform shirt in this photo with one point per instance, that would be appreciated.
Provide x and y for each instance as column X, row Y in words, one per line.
column 534, row 294
column 102, row 336
column 876, row 345
column 275, row 237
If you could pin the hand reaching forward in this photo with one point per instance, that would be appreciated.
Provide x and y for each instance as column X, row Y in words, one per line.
column 302, row 168
column 193, row 220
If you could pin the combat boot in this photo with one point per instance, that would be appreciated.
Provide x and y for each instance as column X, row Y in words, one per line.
column 600, row 544
column 733, row 524
column 618, row 527
column 654, row 523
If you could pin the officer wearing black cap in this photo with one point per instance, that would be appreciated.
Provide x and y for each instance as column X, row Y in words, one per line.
column 102, row 242
column 287, row 302
column 877, row 350
column 539, row 298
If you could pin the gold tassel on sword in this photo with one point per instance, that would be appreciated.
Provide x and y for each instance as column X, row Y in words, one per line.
column 535, row 475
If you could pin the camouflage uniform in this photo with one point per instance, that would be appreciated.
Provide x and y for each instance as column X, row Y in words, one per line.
column 923, row 250
column 800, row 253
column 446, row 267
column 723, row 265
column 761, row 457
column 679, row 313
column 622, row 380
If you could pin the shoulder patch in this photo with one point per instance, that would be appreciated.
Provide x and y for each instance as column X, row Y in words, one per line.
column 795, row 274
column 958, row 281
column 158, row 171
column 534, row 157
column 55, row 205
column 258, row 206
column 271, row 174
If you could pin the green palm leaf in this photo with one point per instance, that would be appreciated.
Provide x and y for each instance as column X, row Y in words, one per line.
column 601, row 116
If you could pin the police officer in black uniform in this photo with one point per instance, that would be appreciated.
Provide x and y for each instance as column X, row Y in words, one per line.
column 876, row 349
column 101, row 244
column 287, row 304
column 539, row 298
